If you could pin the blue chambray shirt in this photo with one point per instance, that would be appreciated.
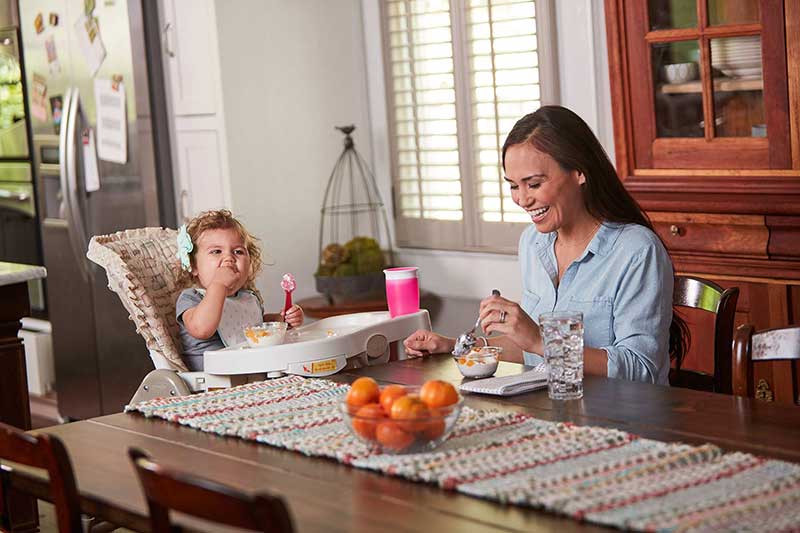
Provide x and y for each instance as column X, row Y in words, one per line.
column 623, row 286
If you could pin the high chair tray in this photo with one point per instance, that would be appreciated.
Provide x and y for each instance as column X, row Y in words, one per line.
column 321, row 348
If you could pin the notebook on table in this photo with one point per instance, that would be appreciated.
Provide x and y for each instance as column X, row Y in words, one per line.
column 527, row 381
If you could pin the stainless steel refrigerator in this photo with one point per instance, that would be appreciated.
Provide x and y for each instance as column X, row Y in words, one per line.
column 99, row 358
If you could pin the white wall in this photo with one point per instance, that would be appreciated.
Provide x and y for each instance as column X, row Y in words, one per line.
column 291, row 71
column 584, row 88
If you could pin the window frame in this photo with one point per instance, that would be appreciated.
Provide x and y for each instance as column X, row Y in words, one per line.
column 470, row 233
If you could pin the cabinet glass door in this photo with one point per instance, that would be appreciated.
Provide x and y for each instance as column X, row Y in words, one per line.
column 672, row 14
column 733, row 12
column 708, row 83
column 738, row 87
column 678, row 91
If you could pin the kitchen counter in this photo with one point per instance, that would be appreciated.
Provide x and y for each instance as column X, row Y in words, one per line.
column 11, row 273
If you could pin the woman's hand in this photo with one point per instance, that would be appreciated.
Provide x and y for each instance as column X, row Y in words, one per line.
column 515, row 323
column 424, row 342
column 294, row 316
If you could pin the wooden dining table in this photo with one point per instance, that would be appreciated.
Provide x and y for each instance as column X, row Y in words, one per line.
column 324, row 495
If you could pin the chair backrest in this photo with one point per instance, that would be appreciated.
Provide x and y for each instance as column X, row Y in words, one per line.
column 142, row 269
column 47, row 452
column 749, row 348
column 699, row 293
column 166, row 489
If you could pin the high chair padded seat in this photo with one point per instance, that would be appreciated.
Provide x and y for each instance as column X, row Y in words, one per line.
column 142, row 268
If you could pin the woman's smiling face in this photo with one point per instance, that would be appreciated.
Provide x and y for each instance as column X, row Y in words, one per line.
column 551, row 195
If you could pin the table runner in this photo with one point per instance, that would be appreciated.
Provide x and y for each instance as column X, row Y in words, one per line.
column 600, row 475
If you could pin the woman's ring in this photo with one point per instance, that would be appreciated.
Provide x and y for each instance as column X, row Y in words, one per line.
column 502, row 316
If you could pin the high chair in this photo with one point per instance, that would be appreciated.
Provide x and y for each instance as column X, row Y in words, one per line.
column 143, row 270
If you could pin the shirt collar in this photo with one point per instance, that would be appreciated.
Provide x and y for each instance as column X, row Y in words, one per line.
column 202, row 292
column 603, row 241
column 601, row 244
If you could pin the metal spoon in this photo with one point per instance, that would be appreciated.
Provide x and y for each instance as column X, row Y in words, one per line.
column 466, row 341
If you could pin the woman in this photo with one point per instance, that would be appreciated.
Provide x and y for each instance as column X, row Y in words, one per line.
column 590, row 248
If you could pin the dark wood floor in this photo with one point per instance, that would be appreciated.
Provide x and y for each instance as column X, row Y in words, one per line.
column 44, row 411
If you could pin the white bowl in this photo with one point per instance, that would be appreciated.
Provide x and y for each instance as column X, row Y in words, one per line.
column 732, row 71
column 680, row 72
column 480, row 362
column 267, row 334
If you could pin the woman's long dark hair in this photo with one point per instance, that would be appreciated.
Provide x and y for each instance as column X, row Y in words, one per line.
column 564, row 136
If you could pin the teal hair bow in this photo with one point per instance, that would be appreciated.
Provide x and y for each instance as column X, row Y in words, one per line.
column 185, row 246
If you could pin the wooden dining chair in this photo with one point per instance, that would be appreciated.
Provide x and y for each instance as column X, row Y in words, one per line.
column 46, row 452
column 166, row 489
column 751, row 348
column 699, row 293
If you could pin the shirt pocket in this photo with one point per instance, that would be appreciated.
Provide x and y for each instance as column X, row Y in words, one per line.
column 530, row 301
column 598, row 319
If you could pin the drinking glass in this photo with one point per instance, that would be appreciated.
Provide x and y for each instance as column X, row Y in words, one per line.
column 562, row 334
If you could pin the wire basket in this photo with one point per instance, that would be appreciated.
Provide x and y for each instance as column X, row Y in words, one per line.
column 354, row 240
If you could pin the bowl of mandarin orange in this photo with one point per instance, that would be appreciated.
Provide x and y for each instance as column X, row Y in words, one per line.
column 399, row 419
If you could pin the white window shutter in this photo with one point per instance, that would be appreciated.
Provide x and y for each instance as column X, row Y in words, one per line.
column 459, row 75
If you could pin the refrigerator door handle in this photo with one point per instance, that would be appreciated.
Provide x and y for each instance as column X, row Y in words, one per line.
column 166, row 31
column 69, row 181
column 184, row 204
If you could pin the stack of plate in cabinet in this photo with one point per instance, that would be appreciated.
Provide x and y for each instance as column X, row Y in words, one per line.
column 737, row 57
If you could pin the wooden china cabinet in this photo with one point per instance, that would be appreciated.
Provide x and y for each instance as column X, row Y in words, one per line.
column 706, row 106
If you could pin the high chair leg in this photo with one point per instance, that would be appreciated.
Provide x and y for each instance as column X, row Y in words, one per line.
column 160, row 383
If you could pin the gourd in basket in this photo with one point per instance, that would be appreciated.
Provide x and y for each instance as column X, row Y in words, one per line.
column 353, row 271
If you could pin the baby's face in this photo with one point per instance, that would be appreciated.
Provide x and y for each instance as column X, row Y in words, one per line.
column 217, row 249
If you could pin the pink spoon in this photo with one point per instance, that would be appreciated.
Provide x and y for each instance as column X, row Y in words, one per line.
column 288, row 284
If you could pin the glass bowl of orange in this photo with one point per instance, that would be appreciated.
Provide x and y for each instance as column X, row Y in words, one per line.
column 401, row 419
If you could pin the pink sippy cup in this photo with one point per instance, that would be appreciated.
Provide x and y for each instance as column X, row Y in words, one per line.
column 402, row 290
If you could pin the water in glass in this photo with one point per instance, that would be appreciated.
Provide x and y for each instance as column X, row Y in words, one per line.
column 562, row 334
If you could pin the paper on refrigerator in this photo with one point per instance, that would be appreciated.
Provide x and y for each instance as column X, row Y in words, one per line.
column 91, row 43
column 112, row 126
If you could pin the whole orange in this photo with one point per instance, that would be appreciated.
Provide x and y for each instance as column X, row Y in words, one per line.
column 438, row 393
column 389, row 394
column 434, row 429
column 366, row 420
column 363, row 391
column 393, row 437
column 408, row 411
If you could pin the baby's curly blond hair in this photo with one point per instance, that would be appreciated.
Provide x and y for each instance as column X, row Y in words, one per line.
column 223, row 219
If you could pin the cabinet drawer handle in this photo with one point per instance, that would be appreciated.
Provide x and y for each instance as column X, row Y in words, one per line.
column 674, row 230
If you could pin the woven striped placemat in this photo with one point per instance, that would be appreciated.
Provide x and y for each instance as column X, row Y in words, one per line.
column 600, row 475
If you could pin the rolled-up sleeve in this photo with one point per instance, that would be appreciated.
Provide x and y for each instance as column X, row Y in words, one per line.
column 641, row 318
